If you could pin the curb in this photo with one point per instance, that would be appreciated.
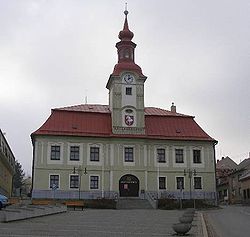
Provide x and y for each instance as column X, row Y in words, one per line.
column 204, row 227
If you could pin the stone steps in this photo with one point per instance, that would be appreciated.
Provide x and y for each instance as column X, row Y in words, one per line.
column 128, row 203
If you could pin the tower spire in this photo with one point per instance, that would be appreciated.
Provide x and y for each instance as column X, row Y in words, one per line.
column 126, row 50
column 126, row 34
column 126, row 9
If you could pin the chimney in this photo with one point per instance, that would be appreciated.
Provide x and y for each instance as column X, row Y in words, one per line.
column 173, row 108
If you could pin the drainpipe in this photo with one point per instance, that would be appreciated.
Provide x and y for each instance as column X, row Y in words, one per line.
column 216, row 198
column 33, row 164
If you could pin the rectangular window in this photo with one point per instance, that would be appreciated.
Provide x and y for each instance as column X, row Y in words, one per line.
column 74, row 181
column 180, row 183
column 162, row 182
column 179, row 156
column 94, row 182
column 161, row 158
column 74, row 152
column 129, row 154
column 197, row 183
column 128, row 90
column 54, row 181
column 55, row 153
column 94, row 154
column 197, row 156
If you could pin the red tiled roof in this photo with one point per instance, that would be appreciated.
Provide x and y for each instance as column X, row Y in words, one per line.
column 97, row 108
column 95, row 120
column 130, row 66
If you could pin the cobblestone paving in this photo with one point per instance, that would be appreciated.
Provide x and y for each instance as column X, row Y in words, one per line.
column 97, row 223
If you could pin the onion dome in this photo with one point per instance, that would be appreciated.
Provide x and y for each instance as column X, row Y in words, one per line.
column 126, row 34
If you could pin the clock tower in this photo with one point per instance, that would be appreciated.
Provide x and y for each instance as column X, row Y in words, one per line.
column 126, row 87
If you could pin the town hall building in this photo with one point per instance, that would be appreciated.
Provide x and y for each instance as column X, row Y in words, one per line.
column 122, row 149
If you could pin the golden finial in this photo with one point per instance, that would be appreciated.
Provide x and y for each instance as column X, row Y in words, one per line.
column 126, row 10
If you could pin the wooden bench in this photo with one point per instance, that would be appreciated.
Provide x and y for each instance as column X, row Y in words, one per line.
column 75, row 203
column 42, row 202
column 14, row 200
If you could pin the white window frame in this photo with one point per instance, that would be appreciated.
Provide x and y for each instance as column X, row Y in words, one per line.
column 159, row 164
column 128, row 163
column 99, row 182
column 180, row 165
column 197, row 165
column 75, row 162
column 50, row 174
column 166, row 182
column 101, row 158
column 50, row 144
column 78, row 181
column 197, row 176
column 181, row 176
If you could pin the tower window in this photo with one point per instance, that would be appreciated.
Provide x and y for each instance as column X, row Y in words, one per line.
column 129, row 154
column 128, row 90
column 126, row 53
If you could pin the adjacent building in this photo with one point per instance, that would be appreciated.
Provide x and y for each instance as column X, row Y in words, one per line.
column 245, row 186
column 7, row 166
column 224, row 168
column 122, row 149
column 233, row 181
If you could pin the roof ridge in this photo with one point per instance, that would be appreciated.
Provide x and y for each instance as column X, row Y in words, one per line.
column 170, row 113
column 70, row 106
column 100, row 108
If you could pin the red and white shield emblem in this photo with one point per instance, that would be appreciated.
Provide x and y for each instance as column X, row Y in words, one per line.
column 129, row 120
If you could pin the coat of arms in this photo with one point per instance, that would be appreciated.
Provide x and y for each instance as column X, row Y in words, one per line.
column 129, row 120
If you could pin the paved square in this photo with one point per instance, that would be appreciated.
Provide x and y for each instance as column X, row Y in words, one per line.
column 96, row 223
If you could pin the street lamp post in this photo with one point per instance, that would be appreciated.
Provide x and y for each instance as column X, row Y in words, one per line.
column 79, row 170
column 190, row 174
column 180, row 185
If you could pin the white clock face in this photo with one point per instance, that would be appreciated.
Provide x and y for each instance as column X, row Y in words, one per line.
column 128, row 78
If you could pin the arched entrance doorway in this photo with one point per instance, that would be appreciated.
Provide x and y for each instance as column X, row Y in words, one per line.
column 129, row 186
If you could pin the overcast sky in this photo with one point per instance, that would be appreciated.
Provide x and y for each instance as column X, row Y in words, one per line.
column 54, row 53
